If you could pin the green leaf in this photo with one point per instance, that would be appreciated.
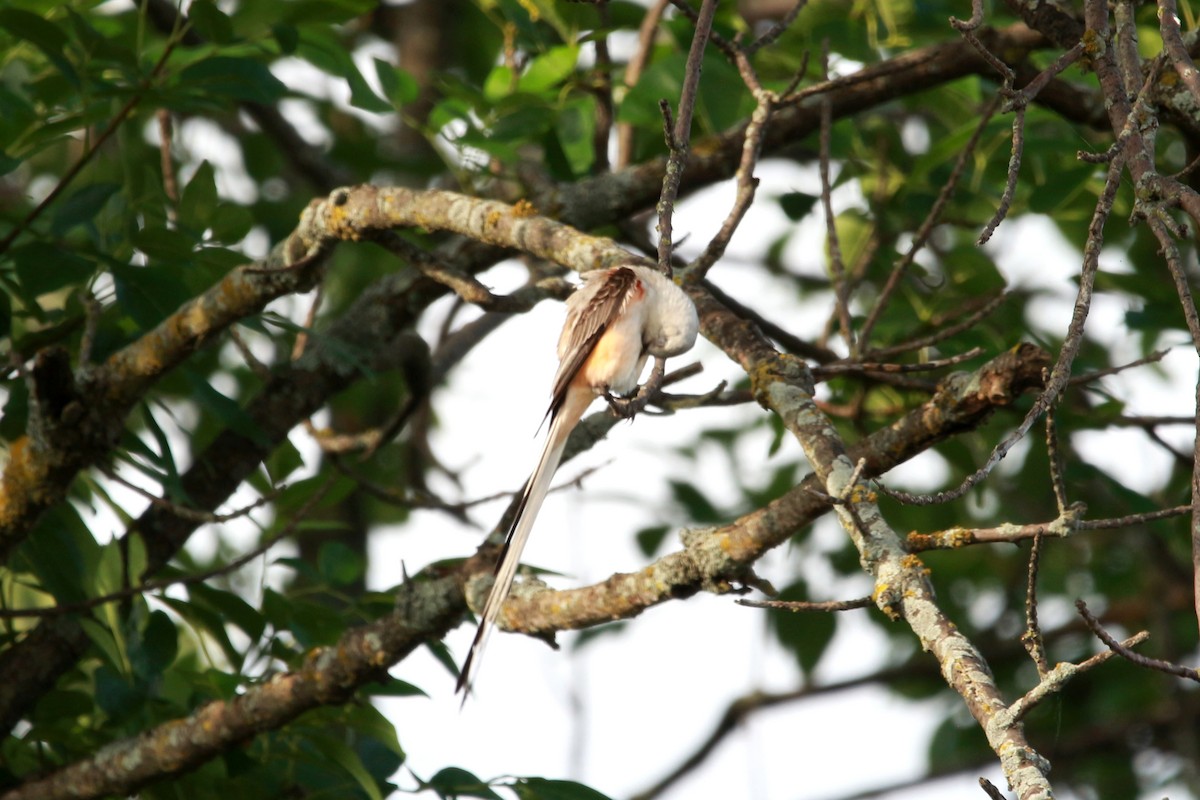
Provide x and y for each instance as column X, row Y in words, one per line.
column 42, row 34
column 106, row 643
column 287, row 37
column 339, row 564
column 347, row 759
column 454, row 782
column 226, row 410
column 324, row 11
column 549, row 69
column 230, row 607
column 116, row 696
column 283, row 462
column 548, row 789
column 82, row 206
column 210, row 22
column 329, row 54
column 209, row 625
column 695, row 503
column 241, row 79
column 155, row 650
column 400, row 87
column 650, row 539
column 164, row 244
column 797, row 205
column 661, row 81
column 199, row 199
column 576, row 131
column 230, row 223
column 43, row 268
column 148, row 294
column 6, row 317
column 60, row 552
column 392, row 688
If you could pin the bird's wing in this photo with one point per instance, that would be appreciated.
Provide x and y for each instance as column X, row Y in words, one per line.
column 590, row 311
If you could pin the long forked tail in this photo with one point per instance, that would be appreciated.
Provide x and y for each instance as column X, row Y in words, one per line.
column 563, row 422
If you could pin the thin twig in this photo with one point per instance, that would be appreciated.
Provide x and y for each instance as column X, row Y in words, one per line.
column 837, row 267
column 853, row 367
column 1088, row 377
column 744, row 178
column 1055, row 459
column 776, row 30
column 992, row 792
column 1032, row 638
column 679, row 141
column 799, row 605
column 170, row 180
column 1010, row 185
column 1168, row 667
column 954, row 538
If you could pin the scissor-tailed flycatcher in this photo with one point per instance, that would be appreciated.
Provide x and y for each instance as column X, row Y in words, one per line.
column 618, row 318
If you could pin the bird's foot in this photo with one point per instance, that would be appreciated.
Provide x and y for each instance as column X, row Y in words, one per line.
column 628, row 407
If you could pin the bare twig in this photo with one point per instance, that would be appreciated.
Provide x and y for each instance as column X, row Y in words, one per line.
column 1055, row 459
column 846, row 367
column 1088, row 377
column 744, row 178
column 1032, row 638
column 837, row 267
column 1010, row 185
column 799, row 605
column 170, row 180
column 1018, row 102
column 1168, row 667
column 990, row 790
column 679, row 140
column 1054, row 680
column 954, row 538
column 776, row 30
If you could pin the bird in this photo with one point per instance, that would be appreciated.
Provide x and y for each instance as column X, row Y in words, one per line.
column 615, row 320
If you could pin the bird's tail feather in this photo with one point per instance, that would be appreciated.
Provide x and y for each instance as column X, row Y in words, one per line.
column 536, row 487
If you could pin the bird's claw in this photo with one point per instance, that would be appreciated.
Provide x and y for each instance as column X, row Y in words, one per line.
column 627, row 407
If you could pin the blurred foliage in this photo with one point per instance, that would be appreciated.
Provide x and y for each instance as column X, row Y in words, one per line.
column 88, row 84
